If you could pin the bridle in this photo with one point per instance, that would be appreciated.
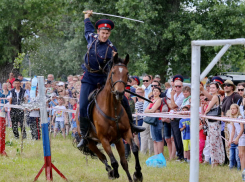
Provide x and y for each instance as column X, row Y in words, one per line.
column 112, row 84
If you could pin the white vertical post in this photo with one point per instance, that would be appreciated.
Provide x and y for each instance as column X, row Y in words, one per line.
column 42, row 99
column 195, row 85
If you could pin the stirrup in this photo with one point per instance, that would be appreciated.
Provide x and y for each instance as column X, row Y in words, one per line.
column 83, row 142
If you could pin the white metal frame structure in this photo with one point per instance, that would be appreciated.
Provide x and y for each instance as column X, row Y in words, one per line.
column 195, row 85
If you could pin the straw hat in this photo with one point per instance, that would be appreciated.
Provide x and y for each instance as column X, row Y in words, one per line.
column 229, row 82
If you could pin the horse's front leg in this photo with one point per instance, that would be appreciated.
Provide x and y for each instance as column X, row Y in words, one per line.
column 138, row 176
column 113, row 173
column 124, row 163
column 92, row 146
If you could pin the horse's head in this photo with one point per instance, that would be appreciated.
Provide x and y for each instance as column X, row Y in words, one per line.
column 119, row 76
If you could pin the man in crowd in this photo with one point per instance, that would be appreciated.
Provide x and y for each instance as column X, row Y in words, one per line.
column 156, row 83
column 231, row 96
column 146, row 141
column 69, row 78
column 157, row 78
column 22, row 79
column 11, row 79
column 51, row 77
column 17, row 97
column 75, row 79
column 177, row 98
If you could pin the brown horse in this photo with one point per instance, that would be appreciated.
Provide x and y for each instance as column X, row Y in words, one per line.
column 111, row 122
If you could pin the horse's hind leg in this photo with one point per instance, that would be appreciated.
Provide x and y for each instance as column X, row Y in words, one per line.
column 113, row 173
column 124, row 163
column 92, row 146
column 137, row 174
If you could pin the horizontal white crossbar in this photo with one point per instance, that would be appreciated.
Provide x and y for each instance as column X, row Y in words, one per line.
column 218, row 42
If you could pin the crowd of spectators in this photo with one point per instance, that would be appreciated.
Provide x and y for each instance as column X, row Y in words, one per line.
column 59, row 95
column 219, row 142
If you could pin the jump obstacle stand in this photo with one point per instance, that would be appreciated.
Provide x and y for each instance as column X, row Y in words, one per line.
column 48, row 165
column 195, row 85
column 2, row 134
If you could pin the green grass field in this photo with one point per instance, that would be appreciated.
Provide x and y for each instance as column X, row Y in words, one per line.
column 72, row 163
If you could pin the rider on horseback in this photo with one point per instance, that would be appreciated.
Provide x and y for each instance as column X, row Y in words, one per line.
column 100, row 51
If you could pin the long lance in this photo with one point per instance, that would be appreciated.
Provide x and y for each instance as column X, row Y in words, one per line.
column 126, row 90
column 85, row 12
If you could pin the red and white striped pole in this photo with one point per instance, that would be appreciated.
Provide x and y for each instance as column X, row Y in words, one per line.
column 2, row 133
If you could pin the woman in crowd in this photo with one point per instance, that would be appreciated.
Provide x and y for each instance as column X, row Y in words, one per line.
column 237, row 129
column 9, row 87
column 214, row 129
column 139, row 109
column 28, row 88
column 240, row 88
column 4, row 93
column 156, row 131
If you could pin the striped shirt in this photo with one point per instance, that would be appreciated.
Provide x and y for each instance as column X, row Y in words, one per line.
column 139, row 109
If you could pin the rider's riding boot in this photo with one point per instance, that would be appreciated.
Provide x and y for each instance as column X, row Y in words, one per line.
column 84, row 126
column 134, row 128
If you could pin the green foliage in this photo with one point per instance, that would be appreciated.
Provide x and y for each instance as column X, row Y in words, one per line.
column 18, row 60
column 52, row 33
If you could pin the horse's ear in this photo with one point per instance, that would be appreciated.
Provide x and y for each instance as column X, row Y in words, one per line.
column 115, row 58
column 126, row 59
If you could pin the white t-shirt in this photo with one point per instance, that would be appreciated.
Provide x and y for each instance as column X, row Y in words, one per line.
column 17, row 93
column 168, row 94
column 229, row 126
column 178, row 100
column 59, row 114
column 35, row 114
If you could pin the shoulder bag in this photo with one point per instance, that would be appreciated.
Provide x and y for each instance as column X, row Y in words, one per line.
column 215, row 111
column 150, row 120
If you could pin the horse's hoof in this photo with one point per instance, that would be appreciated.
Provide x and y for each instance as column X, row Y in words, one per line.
column 111, row 174
column 117, row 175
column 138, row 178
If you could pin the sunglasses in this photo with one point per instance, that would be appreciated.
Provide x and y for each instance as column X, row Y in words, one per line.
column 60, row 91
column 227, row 85
column 145, row 80
column 241, row 90
column 154, row 85
column 178, row 86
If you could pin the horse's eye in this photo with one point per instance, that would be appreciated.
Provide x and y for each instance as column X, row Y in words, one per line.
column 112, row 73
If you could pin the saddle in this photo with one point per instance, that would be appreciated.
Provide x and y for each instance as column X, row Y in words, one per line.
column 91, row 100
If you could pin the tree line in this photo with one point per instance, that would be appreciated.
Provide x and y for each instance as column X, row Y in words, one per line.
column 51, row 34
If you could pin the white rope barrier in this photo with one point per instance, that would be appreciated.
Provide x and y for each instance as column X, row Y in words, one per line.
column 23, row 108
column 164, row 115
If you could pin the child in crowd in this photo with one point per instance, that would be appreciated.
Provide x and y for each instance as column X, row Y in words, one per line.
column 184, row 125
column 73, row 102
column 234, row 158
column 237, row 136
column 60, row 117
column 202, row 138
column 52, row 104
column 35, row 123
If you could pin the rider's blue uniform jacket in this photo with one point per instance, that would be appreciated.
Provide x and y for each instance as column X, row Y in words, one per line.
column 97, row 52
